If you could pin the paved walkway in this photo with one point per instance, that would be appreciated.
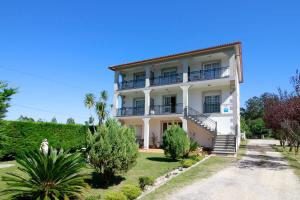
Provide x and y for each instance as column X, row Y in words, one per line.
column 262, row 174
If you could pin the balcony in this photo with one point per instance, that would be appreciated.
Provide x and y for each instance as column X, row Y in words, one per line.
column 132, row 84
column 130, row 111
column 209, row 74
column 166, row 80
column 166, row 109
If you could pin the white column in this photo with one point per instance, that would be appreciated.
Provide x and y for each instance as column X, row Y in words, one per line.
column 185, row 95
column 184, row 124
column 146, row 132
column 185, row 70
column 147, row 101
column 116, row 104
column 148, row 73
column 116, row 83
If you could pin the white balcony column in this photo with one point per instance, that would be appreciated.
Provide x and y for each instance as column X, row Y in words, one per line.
column 116, row 82
column 147, row 100
column 116, row 104
column 148, row 74
column 185, row 95
column 146, row 132
column 184, row 124
column 232, row 68
column 185, row 70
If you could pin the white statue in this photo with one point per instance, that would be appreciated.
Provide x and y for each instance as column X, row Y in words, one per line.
column 44, row 146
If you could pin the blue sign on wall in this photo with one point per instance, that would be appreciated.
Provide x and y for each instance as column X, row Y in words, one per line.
column 225, row 109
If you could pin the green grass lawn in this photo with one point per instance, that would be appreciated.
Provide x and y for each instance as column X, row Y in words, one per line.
column 148, row 164
column 292, row 158
column 203, row 170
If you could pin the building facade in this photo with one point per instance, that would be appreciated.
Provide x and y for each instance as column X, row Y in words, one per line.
column 198, row 90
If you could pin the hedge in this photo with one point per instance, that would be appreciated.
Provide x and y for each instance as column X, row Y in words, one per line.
column 17, row 137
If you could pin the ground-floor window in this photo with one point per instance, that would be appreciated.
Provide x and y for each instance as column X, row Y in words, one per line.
column 166, row 125
column 212, row 104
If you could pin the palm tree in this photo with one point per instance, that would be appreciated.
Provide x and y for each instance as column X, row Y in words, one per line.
column 55, row 175
column 89, row 102
column 101, row 107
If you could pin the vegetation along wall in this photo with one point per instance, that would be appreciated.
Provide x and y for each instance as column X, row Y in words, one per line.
column 17, row 137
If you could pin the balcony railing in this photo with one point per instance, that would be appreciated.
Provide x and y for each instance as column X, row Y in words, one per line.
column 209, row 74
column 166, row 109
column 166, row 80
column 140, row 83
column 130, row 111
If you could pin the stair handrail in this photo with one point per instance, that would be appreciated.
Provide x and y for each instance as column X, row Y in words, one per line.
column 188, row 111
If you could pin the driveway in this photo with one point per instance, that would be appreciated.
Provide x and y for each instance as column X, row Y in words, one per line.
column 260, row 175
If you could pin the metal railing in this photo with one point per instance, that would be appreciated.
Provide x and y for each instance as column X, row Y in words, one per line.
column 209, row 74
column 140, row 83
column 166, row 109
column 202, row 118
column 130, row 111
column 166, row 80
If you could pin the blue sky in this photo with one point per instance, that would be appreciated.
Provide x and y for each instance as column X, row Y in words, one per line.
column 56, row 51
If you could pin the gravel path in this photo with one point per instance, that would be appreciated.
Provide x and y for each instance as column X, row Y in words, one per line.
column 261, row 174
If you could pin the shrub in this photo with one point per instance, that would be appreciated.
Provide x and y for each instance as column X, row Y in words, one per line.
column 145, row 180
column 186, row 163
column 18, row 137
column 112, row 149
column 114, row 195
column 131, row 191
column 93, row 197
column 175, row 142
column 55, row 175
column 196, row 158
column 193, row 145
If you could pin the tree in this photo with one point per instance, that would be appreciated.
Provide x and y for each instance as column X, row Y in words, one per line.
column 100, row 106
column 175, row 142
column 70, row 121
column 53, row 120
column 112, row 149
column 55, row 175
column 25, row 119
column 5, row 97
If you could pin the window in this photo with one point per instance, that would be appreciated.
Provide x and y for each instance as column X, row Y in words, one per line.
column 212, row 104
column 139, row 105
column 169, row 104
column 139, row 79
column 211, row 70
column 169, row 72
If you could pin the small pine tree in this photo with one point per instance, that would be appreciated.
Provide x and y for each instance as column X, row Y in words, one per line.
column 176, row 144
column 112, row 149
column 70, row 121
column 53, row 120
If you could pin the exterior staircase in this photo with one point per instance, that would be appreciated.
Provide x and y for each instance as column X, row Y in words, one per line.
column 223, row 144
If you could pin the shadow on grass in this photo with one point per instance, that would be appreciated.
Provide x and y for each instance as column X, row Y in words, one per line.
column 96, row 180
column 161, row 159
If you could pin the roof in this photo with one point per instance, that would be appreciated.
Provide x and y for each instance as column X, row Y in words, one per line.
column 186, row 54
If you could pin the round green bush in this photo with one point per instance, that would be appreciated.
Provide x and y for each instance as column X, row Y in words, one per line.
column 131, row 191
column 114, row 195
column 145, row 180
column 93, row 197
column 176, row 144
column 186, row 163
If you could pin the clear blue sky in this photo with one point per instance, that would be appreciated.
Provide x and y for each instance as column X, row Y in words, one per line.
column 56, row 51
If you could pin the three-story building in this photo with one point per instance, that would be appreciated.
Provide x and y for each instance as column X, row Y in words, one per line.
column 198, row 90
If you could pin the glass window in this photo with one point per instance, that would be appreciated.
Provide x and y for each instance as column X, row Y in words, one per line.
column 212, row 104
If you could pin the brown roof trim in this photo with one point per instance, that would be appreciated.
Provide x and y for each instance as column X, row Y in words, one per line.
column 185, row 54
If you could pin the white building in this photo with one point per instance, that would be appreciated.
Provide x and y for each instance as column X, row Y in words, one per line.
column 198, row 90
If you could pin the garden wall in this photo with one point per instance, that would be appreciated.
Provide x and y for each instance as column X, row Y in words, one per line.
column 17, row 137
